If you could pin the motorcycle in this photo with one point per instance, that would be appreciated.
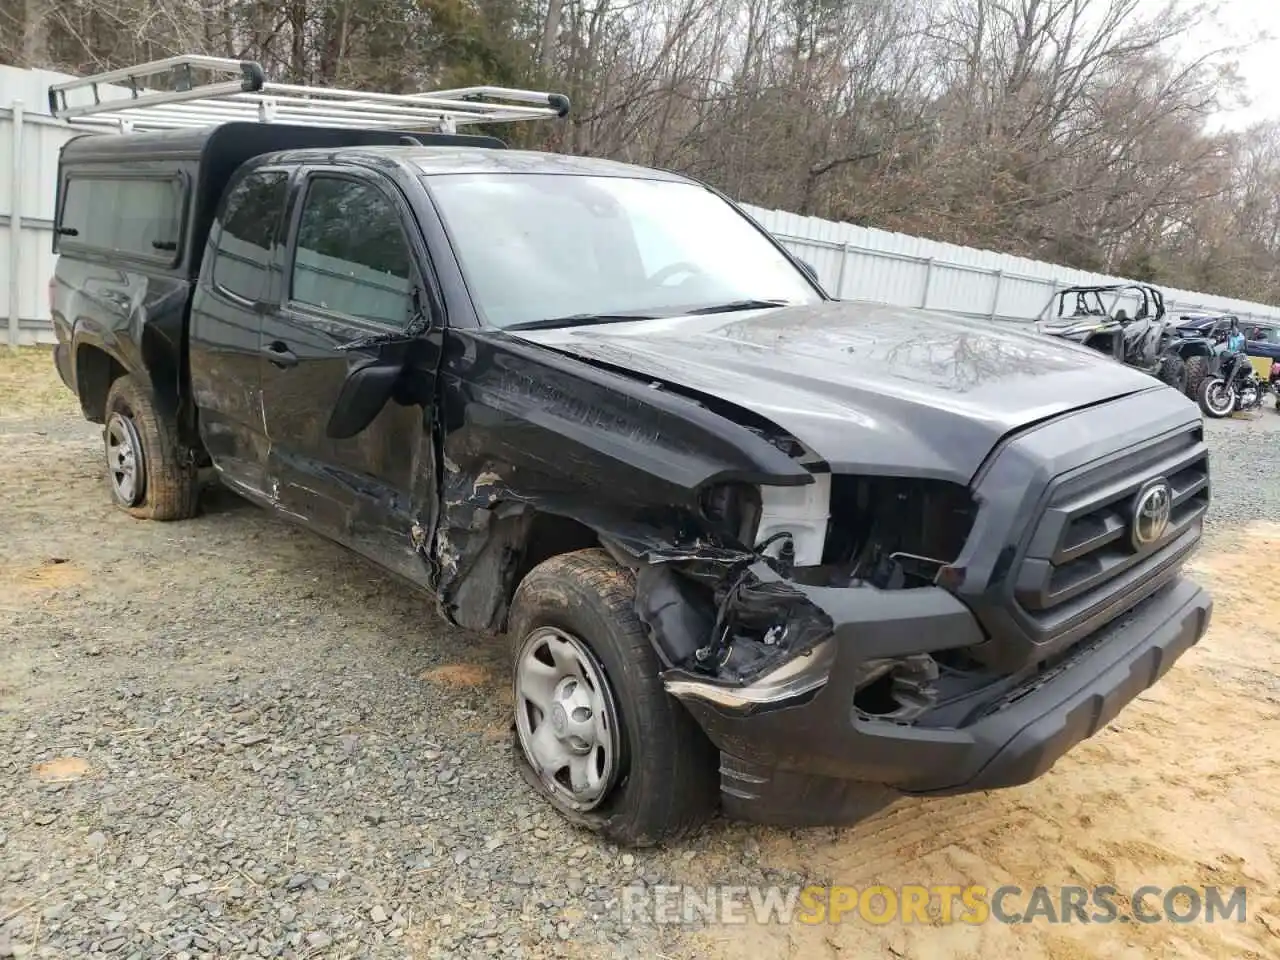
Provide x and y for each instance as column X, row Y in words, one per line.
column 1233, row 386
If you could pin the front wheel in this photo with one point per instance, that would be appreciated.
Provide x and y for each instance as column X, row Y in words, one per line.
column 1217, row 398
column 596, row 734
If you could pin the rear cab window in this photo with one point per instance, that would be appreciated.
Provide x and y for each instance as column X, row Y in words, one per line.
column 247, row 233
column 135, row 215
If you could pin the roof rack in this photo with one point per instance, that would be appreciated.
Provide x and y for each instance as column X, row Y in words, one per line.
column 240, row 90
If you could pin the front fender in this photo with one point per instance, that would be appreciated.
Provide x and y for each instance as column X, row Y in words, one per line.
column 526, row 431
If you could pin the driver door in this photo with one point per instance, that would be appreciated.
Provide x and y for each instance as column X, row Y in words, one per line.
column 351, row 288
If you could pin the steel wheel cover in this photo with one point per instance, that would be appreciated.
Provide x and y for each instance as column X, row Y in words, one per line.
column 126, row 467
column 566, row 720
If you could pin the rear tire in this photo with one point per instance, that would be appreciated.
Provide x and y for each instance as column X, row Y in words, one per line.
column 1173, row 371
column 651, row 774
column 150, row 474
column 1197, row 369
column 1217, row 398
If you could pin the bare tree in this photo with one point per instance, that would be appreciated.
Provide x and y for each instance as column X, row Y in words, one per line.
column 1064, row 129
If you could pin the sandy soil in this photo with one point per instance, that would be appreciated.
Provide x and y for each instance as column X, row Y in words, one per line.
column 1184, row 788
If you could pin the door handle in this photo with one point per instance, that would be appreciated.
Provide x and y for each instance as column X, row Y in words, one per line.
column 279, row 353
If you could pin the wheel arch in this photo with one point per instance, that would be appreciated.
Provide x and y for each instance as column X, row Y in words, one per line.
column 101, row 357
column 96, row 369
column 482, row 563
column 1194, row 349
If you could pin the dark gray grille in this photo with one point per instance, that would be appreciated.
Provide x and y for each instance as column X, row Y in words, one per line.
column 1081, row 558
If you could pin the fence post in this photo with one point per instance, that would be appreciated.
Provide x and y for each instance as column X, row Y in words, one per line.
column 15, row 227
column 928, row 282
column 844, row 259
column 995, row 296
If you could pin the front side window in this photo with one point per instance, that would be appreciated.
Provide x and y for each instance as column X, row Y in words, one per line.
column 352, row 257
column 248, row 230
column 536, row 247
column 130, row 215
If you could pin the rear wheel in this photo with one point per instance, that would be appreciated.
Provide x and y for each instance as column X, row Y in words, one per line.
column 1173, row 371
column 147, row 470
column 596, row 734
column 1197, row 368
column 1217, row 398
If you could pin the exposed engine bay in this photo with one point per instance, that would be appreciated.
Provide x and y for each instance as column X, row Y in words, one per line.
column 734, row 619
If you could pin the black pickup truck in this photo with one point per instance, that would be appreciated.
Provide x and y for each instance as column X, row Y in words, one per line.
column 754, row 548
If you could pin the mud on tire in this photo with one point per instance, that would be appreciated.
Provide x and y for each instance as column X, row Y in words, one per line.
column 168, row 477
column 667, row 779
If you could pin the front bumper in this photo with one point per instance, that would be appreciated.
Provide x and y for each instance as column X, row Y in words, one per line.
column 797, row 764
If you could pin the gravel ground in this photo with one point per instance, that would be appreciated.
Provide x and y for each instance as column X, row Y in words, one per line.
column 229, row 738
column 1246, row 468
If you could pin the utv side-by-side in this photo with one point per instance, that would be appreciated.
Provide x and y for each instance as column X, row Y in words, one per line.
column 1098, row 317
column 754, row 549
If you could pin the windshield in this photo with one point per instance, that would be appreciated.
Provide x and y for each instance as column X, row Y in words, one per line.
column 538, row 247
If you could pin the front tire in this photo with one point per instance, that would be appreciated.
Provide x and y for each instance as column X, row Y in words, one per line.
column 148, row 472
column 1217, row 398
column 596, row 734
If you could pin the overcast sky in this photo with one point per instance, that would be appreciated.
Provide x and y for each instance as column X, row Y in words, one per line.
column 1255, row 23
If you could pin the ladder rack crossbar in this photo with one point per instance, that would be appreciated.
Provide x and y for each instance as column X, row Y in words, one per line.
column 240, row 91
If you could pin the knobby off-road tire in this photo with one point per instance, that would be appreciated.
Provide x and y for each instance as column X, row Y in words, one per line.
column 1197, row 370
column 167, row 486
column 1173, row 371
column 666, row 779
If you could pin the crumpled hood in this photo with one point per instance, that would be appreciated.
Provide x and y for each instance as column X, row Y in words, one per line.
column 870, row 389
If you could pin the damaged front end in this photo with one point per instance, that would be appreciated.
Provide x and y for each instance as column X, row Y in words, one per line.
column 751, row 630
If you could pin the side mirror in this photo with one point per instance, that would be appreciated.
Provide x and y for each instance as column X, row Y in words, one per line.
column 365, row 392
column 807, row 267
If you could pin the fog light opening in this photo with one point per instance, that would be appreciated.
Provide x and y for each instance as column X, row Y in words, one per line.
column 899, row 690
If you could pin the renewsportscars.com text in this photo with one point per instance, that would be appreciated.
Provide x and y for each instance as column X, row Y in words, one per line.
column 929, row 904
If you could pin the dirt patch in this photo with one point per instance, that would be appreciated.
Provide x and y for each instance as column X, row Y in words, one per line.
column 29, row 385
column 50, row 574
column 1243, row 572
column 61, row 769
column 459, row 675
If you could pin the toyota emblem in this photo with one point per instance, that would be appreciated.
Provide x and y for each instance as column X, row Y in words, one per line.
column 1151, row 509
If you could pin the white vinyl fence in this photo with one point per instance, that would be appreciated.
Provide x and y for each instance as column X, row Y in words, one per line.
column 854, row 263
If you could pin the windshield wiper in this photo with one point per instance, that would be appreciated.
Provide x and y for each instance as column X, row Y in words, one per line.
column 587, row 319
column 581, row 320
column 734, row 305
